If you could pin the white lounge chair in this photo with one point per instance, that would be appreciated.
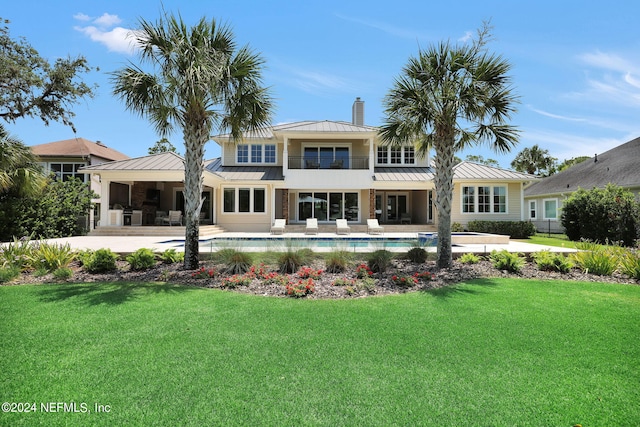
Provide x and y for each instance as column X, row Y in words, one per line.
column 312, row 226
column 342, row 227
column 373, row 227
column 278, row 226
column 175, row 217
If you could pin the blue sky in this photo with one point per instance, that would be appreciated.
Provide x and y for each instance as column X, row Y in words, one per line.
column 576, row 64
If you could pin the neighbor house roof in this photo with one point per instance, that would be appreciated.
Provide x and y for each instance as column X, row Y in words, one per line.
column 77, row 147
column 620, row 166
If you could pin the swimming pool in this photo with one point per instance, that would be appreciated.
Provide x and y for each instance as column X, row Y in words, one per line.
column 320, row 244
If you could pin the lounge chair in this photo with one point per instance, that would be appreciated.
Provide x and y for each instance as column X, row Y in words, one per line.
column 278, row 226
column 342, row 227
column 373, row 227
column 312, row 226
column 405, row 218
column 175, row 217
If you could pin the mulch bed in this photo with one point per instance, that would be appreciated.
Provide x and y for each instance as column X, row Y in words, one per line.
column 324, row 288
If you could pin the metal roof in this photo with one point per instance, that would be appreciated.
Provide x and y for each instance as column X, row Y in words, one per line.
column 477, row 171
column 167, row 161
column 402, row 174
column 619, row 166
column 245, row 173
column 308, row 126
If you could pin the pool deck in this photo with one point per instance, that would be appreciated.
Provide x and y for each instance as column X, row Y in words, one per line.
column 128, row 244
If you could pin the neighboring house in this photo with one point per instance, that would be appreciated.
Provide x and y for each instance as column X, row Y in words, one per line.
column 65, row 158
column 619, row 166
column 326, row 170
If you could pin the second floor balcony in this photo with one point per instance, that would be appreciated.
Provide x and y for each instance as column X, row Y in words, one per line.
column 351, row 162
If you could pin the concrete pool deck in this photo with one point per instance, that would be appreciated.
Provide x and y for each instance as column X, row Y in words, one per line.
column 128, row 244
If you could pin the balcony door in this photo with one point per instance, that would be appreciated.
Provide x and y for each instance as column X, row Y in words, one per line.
column 326, row 157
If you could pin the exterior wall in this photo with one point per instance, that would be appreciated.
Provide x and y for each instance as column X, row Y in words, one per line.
column 543, row 224
column 240, row 221
column 514, row 204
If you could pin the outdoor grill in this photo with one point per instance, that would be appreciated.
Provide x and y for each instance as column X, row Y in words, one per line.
column 126, row 216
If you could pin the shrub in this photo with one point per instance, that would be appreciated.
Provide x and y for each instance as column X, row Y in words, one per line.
column 456, row 227
column 142, row 259
column 368, row 284
column 308, row 272
column 342, row 281
column 62, row 273
column 350, row 290
column 425, row 276
column 597, row 259
column 273, row 278
column 171, row 256
column 630, row 264
column 417, row 255
column 469, row 258
column 17, row 253
column 301, row 288
column 337, row 261
column 237, row 262
column 601, row 215
column 9, row 273
column 291, row 260
column 50, row 257
column 505, row 260
column 100, row 261
column 547, row 261
column 514, row 229
column 236, row 280
column 380, row 260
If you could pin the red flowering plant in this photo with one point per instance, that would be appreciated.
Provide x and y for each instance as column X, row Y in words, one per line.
column 404, row 281
column 309, row 273
column 274, row 278
column 363, row 271
column 204, row 273
column 424, row 276
column 236, row 280
column 300, row 289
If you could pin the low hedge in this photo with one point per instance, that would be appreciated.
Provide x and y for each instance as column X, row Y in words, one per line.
column 515, row 229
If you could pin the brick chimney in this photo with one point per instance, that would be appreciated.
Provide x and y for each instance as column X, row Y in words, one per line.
column 357, row 112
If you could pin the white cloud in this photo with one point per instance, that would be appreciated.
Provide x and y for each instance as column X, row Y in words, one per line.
column 116, row 39
column 566, row 146
column 467, row 36
column 555, row 116
column 608, row 61
column 402, row 32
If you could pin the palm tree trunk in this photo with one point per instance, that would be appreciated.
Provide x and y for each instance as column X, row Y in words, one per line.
column 195, row 139
column 444, row 194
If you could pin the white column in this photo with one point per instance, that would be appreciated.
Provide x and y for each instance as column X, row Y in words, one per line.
column 372, row 159
column 285, row 157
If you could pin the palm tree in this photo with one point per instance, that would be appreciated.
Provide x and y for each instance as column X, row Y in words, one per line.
column 19, row 169
column 535, row 160
column 446, row 99
column 203, row 81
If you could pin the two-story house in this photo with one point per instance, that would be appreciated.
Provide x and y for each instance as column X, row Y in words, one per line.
column 64, row 159
column 315, row 169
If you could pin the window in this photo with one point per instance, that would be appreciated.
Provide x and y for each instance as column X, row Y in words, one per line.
column 484, row 199
column 256, row 153
column 532, row 209
column 489, row 200
column 396, row 155
column 244, row 200
column 326, row 157
column 328, row 206
column 468, row 199
column 551, row 209
column 66, row 171
column 500, row 199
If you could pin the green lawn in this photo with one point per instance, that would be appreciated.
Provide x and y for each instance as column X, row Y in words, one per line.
column 486, row 353
column 559, row 240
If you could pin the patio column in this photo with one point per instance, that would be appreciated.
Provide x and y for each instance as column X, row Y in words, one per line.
column 285, row 156
column 285, row 205
column 372, row 203
column 372, row 158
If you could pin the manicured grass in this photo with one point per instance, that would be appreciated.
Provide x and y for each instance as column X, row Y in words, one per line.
column 489, row 352
column 559, row 240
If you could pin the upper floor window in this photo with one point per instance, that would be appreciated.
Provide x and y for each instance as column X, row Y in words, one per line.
column 256, row 153
column 66, row 171
column 395, row 155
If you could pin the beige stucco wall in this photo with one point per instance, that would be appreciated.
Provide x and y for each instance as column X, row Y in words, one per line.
column 514, row 204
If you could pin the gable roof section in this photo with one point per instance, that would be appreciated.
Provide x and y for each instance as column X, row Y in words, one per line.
column 168, row 161
column 77, row 147
column 619, row 166
column 245, row 173
column 476, row 171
